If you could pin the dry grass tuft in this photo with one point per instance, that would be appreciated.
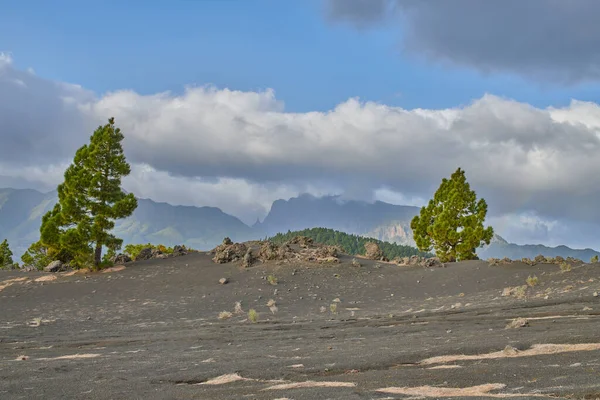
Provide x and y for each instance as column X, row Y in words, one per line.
column 225, row 315
column 272, row 279
column 565, row 267
column 333, row 308
column 532, row 280
column 238, row 308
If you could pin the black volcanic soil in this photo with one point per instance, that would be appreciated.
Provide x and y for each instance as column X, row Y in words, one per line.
column 152, row 331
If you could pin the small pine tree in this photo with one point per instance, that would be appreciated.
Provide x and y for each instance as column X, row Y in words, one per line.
column 89, row 200
column 5, row 255
column 452, row 222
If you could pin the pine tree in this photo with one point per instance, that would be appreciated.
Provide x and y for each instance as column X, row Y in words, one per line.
column 452, row 222
column 89, row 200
column 5, row 255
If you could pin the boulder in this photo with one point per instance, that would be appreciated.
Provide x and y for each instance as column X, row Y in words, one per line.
column 224, row 281
column 225, row 253
column 121, row 259
column 268, row 251
column 179, row 251
column 248, row 259
column 55, row 266
column 432, row 262
column 145, row 254
column 373, row 251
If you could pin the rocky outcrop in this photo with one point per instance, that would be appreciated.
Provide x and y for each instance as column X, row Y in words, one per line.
column 420, row 261
column 229, row 252
column 121, row 259
column 55, row 266
column 373, row 252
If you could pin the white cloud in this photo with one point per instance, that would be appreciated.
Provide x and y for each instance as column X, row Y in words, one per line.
column 241, row 150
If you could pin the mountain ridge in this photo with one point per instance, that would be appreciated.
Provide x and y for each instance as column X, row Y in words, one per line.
column 205, row 227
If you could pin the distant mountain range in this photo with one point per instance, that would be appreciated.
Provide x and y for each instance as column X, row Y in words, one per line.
column 203, row 228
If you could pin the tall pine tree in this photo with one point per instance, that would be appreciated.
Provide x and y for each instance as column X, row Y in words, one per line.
column 452, row 222
column 5, row 255
column 89, row 200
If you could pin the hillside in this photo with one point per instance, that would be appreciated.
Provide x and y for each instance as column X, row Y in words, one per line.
column 352, row 244
column 379, row 220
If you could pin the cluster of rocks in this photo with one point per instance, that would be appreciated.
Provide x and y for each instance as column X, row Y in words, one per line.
column 420, row 261
column 373, row 252
column 150, row 253
column 539, row 259
column 300, row 249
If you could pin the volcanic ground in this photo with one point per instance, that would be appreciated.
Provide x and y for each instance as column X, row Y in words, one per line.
column 167, row 329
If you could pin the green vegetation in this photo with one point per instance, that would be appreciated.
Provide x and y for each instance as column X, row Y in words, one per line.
column 351, row 244
column 89, row 200
column 6, row 260
column 565, row 267
column 452, row 222
column 532, row 280
column 132, row 250
column 272, row 279
column 594, row 259
column 252, row 315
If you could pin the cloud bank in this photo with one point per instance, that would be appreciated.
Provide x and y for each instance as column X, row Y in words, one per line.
column 242, row 150
column 552, row 40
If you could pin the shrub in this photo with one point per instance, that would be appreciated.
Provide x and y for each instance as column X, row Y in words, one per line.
column 565, row 267
column 134, row 249
column 532, row 280
column 252, row 315
column 594, row 259
column 272, row 279
column 225, row 315
column 333, row 308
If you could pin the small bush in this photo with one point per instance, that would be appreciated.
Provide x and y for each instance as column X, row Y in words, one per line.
column 272, row 279
column 532, row 280
column 594, row 259
column 225, row 315
column 252, row 315
column 521, row 292
column 132, row 250
column 333, row 308
column 565, row 267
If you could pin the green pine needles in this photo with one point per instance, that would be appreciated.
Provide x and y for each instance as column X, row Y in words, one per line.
column 452, row 222
column 89, row 200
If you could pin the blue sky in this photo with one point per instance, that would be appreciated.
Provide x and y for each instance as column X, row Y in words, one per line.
column 289, row 46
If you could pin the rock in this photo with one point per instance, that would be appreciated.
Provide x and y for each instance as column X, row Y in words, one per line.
column 539, row 259
column 155, row 253
column 144, row 254
column 268, row 251
column 121, row 259
column 161, row 255
column 432, row 262
column 179, row 250
column 517, row 323
column 54, row 266
column 232, row 252
column 223, row 281
column 248, row 259
column 373, row 252
column 303, row 241
column 510, row 351
column 595, row 294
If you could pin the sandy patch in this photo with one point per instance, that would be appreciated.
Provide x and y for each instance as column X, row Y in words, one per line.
column 46, row 278
column 296, row 366
column 71, row 273
column 445, row 367
column 10, row 282
column 116, row 268
column 473, row 391
column 224, row 379
column 535, row 350
column 310, row 384
column 71, row 357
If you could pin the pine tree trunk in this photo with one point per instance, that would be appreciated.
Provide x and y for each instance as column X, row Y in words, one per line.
column 98, row 254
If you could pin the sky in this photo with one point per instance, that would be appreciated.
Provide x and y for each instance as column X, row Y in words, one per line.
column 237, row 103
